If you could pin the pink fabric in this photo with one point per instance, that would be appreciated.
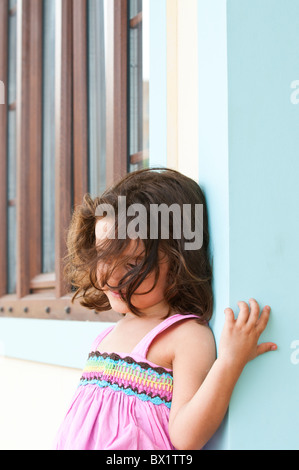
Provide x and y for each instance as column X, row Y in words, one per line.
column 101, row 418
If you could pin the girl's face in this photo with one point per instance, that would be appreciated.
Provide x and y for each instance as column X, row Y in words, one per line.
column 145, row 302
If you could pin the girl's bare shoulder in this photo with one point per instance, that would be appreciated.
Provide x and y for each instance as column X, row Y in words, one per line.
column 190, row 338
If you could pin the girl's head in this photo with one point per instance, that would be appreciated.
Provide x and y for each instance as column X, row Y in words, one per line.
column 104, row 258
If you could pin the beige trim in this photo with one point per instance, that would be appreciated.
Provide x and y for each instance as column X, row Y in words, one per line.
column 172, row 83
column 182, row 86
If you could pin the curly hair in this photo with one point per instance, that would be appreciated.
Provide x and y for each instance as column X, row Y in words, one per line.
column 189, row 276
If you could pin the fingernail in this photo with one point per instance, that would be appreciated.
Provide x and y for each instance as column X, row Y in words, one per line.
column 273, row 347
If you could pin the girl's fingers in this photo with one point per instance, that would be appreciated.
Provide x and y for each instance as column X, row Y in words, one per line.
column 265, row 347
column 254, row 312
column 264, row 318
column 249, row 318
column 243, row 314
column 229, row 316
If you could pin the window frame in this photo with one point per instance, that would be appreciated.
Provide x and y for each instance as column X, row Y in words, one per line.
column 46, row 295
column 138, row 157
column 3, row 139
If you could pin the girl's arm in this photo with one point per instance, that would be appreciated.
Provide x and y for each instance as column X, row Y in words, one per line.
column 202, row 391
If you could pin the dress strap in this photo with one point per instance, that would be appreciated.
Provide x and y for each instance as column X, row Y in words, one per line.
column 100, row 338
column 143, row 346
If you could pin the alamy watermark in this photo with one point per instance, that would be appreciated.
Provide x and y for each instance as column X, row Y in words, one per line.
column 2, row 93
column 295, row 354
column 138, row 226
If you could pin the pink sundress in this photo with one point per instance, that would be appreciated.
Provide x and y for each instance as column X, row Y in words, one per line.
column 122, row 401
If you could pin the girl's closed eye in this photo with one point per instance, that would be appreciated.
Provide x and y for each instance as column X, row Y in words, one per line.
column 130, row 265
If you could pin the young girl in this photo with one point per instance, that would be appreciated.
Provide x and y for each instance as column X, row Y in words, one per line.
column 152, row 380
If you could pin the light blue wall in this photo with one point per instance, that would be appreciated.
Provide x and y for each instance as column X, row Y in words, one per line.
column 263, row 60
column 251, row 180
column 57, row 342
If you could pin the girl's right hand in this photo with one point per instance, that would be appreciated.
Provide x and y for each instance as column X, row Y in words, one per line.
column 239, row 339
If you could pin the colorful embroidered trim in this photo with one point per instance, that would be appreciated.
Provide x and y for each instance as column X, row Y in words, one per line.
column 148, row 383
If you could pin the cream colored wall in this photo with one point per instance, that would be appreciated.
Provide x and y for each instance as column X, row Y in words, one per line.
column 33, row 400
column 182, row 86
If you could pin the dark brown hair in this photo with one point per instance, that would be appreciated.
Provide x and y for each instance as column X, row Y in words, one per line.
column 189, row 277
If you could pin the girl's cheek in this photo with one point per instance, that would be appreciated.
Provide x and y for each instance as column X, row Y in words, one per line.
column 147, row 284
